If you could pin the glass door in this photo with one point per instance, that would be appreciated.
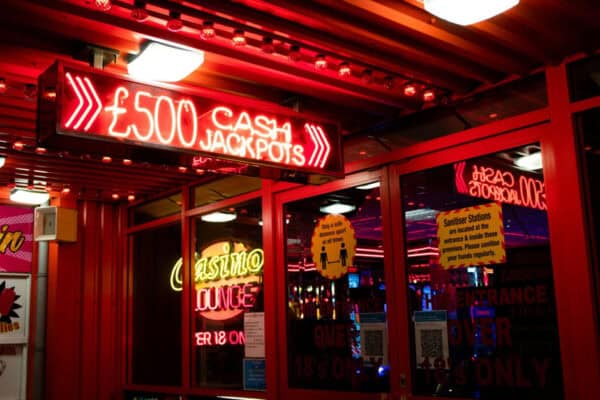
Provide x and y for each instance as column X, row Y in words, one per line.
column 476, row 270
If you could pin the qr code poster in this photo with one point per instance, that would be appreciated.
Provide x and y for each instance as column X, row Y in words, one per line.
column 373, row 342
column 431, row 338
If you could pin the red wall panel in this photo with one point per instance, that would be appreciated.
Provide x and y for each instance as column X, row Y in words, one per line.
column 83, row 325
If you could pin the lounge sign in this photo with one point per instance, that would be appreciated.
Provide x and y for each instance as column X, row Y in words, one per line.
column 97, row 105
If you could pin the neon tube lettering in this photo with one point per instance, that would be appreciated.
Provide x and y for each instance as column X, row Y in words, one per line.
column 189, row 107
column 120, row 95
column 216, row 122
column 149, row 118
column 220, row 338
column 171, row 108
column 230, row 265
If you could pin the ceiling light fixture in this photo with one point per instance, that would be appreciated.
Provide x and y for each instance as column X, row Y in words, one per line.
column 428, row 96
column 530, row 162
column 344, row 70
column 103, row 5
column 127, row 161
column 410, row 90
column 2, row 85
column 31, row 197
column 337, row 208
column 174, row 23
column 467, row 12
column 219, row 217
column 166, row 63
column 18, row 146
column 208, row 30
column 139, row 12
column 320, row 61
column 131, row 197
column 239, row 38
column 369, row 186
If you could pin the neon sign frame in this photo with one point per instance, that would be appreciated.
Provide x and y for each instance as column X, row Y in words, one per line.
column 502, row 185
column 98, row 105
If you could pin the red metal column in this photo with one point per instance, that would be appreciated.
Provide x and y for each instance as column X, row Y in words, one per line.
column 572, row 276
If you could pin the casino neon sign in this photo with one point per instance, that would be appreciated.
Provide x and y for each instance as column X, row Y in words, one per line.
column 500, row 185
column 92, row 104
column 227, row 279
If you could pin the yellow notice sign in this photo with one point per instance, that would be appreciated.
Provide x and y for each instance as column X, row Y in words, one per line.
column 471, row 236
column 333, row 246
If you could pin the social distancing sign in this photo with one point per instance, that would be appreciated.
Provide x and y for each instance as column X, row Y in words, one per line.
column 333, row 246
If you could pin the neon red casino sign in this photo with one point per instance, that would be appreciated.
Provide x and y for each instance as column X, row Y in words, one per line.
column 94, row 105
column 503, row 185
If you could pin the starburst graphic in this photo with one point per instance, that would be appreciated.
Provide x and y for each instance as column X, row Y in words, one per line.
column 8, row 305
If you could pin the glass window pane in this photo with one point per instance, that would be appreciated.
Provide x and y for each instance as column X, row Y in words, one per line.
column 584, row 78
column 224, row 188
column 156, row 350
column 227, row 295
column 589, row 126
column 336, row 315
column 156, row 209
column 481, row 293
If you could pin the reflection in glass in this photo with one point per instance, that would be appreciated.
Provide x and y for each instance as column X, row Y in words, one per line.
column 337, row 333
column 481, row 294
column 227, row 295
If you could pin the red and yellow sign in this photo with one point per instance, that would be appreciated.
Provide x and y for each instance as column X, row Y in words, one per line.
column 333, row 246
column 227, row 279
column 471, row 236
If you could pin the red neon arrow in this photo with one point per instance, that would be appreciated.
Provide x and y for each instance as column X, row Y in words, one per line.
column 322, row 147
column 76, row 90
column 317, row 149
column 89, row 99
column 327, row 148
column 98, row 104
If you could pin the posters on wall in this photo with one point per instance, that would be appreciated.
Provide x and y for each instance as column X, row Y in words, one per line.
column 333, row 246
column 16, row 239
column 431, row 337
column 254, row 329
column 471, row 236
column 12, row 371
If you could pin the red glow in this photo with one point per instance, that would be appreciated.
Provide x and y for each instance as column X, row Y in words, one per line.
column 428, row 95
column 18, row 145
column 2, row 85
column 127, row 161
column 106, row 159
column 115, row 196
column 238, row 38
column 66, row 190
column 182, row 169
column 228, row 297
column 220, row 338
column 90, row 94
column 345, row 69
column 103, row 5
column 410, row 90
column 500, row 185
column 115, row 109
column 40, row 150
column 320, row 62
column 131, row 197
column 208, row 30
